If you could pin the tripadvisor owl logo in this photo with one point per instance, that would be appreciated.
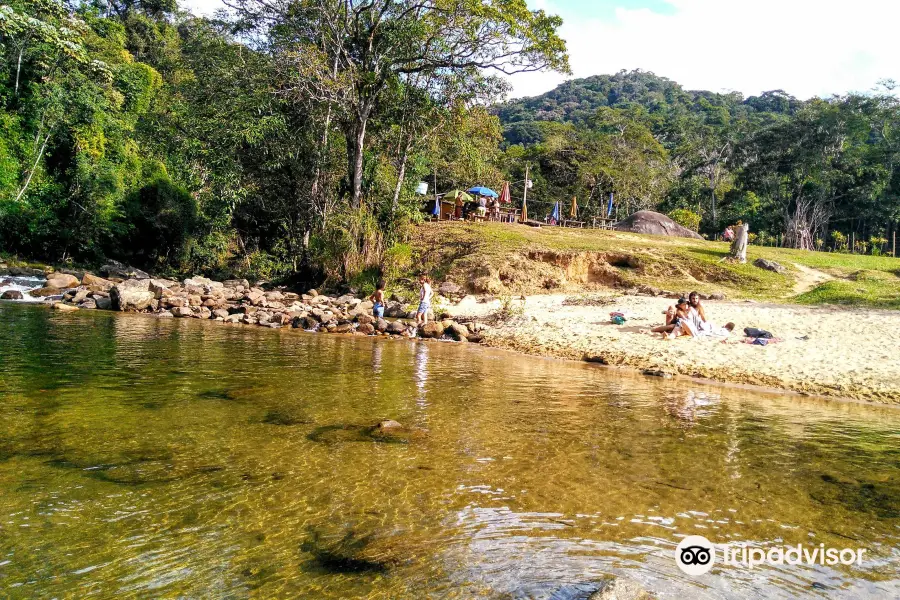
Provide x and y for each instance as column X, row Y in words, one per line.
column 695, row 555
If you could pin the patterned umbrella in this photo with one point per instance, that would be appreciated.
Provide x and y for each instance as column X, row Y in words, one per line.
column 452, row 195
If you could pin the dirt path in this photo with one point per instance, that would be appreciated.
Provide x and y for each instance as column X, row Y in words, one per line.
column 808, row 279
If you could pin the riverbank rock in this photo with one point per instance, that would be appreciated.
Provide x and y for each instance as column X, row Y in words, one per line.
column 458, row 332
column 133, row 294
column 64, row 307
column 114, row 268
column 97, row 283
column 647, row 221
column 396, row 327
column 11, row 295
column 62, row 280
column 769, row 265
column 432, row 330
column 182, row 312
column 44, row 292
column 451, row 290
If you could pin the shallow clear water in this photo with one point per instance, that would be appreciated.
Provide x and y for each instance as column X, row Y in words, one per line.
column 142, row 457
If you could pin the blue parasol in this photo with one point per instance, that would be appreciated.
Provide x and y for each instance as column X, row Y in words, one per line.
column 483, row 191
column 554, row 216
column 609, row 207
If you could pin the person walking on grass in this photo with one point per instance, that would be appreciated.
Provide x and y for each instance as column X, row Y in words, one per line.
column 377, row 300
column 424, row 300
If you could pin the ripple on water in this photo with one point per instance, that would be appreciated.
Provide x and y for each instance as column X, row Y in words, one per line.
column 140, row 457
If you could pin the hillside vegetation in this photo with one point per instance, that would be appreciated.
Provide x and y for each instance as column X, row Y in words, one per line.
column 502, row 259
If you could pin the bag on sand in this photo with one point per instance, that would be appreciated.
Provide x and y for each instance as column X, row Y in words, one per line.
column 757, row 333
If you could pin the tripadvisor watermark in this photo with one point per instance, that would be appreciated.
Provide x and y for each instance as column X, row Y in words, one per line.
column 696, row 555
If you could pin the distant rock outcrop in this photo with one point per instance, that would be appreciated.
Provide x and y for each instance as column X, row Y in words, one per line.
column 654, row 223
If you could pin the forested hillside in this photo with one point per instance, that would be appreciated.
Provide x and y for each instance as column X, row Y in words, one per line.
column 812, row 172
column 287, row 137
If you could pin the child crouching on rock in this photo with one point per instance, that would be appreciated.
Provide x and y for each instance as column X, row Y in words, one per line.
column 424, row 300
column 377, row 300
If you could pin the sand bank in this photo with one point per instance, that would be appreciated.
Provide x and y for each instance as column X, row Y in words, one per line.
column 849, row 353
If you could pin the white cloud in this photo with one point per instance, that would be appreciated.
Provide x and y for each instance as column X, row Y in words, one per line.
column 805, row 47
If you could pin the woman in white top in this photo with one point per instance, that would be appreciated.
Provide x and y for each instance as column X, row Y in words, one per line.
column 424, row 300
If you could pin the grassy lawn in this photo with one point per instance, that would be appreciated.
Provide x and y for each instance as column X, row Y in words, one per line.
column 463, row 251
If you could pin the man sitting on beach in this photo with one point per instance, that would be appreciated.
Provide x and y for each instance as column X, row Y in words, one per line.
column 697, row 319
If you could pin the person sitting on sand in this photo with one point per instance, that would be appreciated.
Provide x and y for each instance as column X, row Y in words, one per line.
column 675, row 317
column 697, row 321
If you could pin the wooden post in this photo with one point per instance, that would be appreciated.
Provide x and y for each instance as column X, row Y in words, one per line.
column 852, row 242
column 525, row 196
column 894, row 244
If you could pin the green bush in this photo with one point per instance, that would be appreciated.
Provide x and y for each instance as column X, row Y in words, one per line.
column 686, row 218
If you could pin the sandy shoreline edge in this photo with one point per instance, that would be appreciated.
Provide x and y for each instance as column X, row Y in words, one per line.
column 836, row 353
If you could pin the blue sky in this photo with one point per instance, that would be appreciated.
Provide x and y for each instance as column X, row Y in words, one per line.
column 805, row 47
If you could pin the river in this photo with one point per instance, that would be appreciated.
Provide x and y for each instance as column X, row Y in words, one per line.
column 142, row 457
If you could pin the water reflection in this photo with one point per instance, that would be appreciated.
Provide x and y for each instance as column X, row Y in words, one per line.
column 178, row 458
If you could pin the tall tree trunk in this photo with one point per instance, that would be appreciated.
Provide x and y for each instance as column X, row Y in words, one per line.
column 712, row 195
column 401, row 177
column 356, row 139
column 34, row 167
column 18, row 70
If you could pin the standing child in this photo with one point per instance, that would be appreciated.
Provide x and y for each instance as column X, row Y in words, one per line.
column 378, row 300
column 424, row 300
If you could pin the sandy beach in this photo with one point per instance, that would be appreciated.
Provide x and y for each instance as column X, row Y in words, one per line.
column 839, row 352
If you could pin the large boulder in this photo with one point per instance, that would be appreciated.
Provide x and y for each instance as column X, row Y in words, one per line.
column 432, row 329
column 458, row 331
column 396, row 327
column 381, row 325
column 133, row 294
column 62, row 281
column 451, row 290
column 182, row 312
column 11, row 295
column 97, row 283
column 159, row 287
column 116, row 269
column 203, row 282
column 103, row 303
column 64, row 307
column 647, row 221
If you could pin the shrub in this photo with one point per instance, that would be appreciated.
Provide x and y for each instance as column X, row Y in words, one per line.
column 839, row 241
column 686, row 218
